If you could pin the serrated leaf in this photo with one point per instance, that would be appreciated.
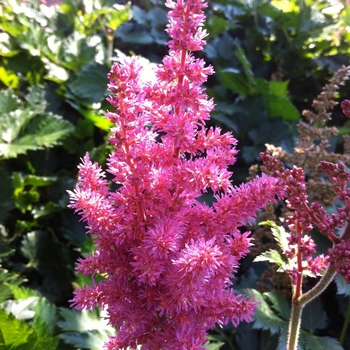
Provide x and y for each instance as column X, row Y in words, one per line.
column 22, row 293
column 21, row 309
column 213, row 346
column 246, row 66
column 47, row 343
column 279, row 304
column 342, row 286
column 36, row 99
column 279, row 233
column 6, row 280
column 265, row 318
column 84, row 89
column 30, row 246
column 13, row 122
column 19, row 146
column 8, row 102
column 92, row 340
column 273, row 256
column 314, row 316
column 15, row 334
column 82, row 321
column 312, row 342
column 45, row 319
column 282, row 339
column 49, row 257
column 48, row 129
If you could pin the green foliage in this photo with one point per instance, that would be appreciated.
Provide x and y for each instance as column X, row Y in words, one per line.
column 273, row 256
column 84, row 329
column 273, row 315
column 26, row 126
column 271, row 58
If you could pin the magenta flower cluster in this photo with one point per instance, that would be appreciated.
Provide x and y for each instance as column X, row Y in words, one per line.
column 345, row 105
column 305, row 216
column 165, row 259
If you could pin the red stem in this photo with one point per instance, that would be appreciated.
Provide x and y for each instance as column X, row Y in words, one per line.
column 298, row 289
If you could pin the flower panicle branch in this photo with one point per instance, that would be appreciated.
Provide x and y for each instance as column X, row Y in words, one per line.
column 166, row 258
column 305, row 216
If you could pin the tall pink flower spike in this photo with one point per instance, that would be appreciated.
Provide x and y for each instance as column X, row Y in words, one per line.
column 166, row 258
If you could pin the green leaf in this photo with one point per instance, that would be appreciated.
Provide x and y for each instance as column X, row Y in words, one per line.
column 314, row 316
column 273, row 256
column 49, row 257
column 48, row 129
column 36, row 99
column 276, row 98
column 246, row 67
column 19, row 146
column 217, row 25
column 6, row 190
column 265, row 318
column 9, row 78
column 312, row 342
column 21, row 309
column 15, row 334
column 22, row 293
column 92, row 340
column 82, row 321
column 118, row 16
column 342, row 286
column 234, row 80
column 279, row 304
column 45, row 319
column 215, row 345
column 47, row 343
column 6, row 280
column 13, row 122
column 279, row 233
column 83, row 88
column 8, row 102
column 96, row 119
column 281, row 107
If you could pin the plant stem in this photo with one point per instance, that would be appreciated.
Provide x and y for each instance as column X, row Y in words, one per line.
column 299, row 303
column 345, row 326
column 322, row 284
column 294, row 325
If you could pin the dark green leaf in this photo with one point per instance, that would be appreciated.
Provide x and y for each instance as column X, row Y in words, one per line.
column 234, row 80
column 82, row 321
column 342, row 286
column 279, row 304
column 48, row 129
column 312, row 342
column 6, row 203
column 314, row 316
column 82, row 87
column 265, row 317
column 246, row 67
column 92, row 340
column 8, row 102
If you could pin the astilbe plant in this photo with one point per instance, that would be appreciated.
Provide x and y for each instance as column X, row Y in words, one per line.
column 166, row 259
column 299, row 249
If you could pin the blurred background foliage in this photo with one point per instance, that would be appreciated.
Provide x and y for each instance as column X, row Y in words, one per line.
column 271, row 60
